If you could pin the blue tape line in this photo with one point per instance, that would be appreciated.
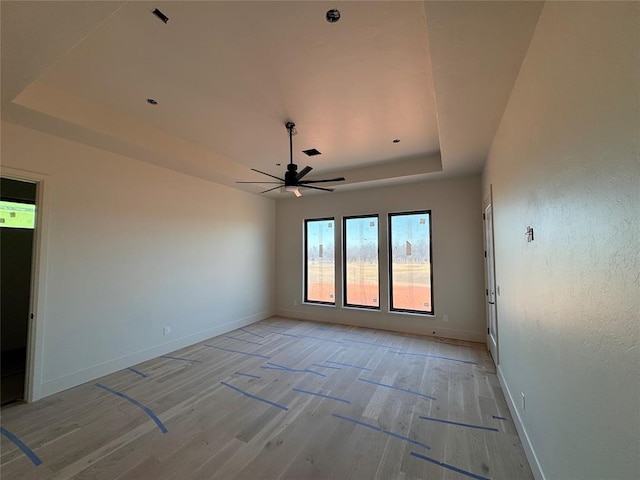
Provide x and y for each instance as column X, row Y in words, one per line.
column 247, row 394
column 374, row 344
column 437, row 356
column 450, row 467
column 137, row 372
column 326, row 366
column 348, row 365
column 275, row 366
column 251, row 333
column 341, row 331
column 242, row 340
column 407, row 439
column 275, row 326
column 236, row 351
column 387, row 432
column 22, row 446
column 321, row 395
column 499, row 418
column 180, row 358
column 147, row 410
column 320, row 338
column 479, row 427
column 358, row 422
column 289, row 335
column 397, row 388
column 247, row 375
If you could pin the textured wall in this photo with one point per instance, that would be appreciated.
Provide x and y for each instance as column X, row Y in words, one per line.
column 565, row 161
column 132, row 248
column 458, row 288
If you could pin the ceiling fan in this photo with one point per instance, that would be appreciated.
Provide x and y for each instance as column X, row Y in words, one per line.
column 292, row 180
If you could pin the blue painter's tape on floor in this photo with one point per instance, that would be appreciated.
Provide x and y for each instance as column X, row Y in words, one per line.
column 374, row 344
column 146, row 410
column 450, row 467
column 180, row 358
column 251, row 333
column 326, row 366
column 468, row 425
column 348, row 365
column 437, row 356
column 247, row 375
column 397, row 388
column 247, row 394
column 341, row 331
column 499, row 418
column 137, row 372
column 22, row 446
column 275, row 366
column 386, row 432
column 242, row 340
column 321, row 395
column 289, row 335
column 237, row 351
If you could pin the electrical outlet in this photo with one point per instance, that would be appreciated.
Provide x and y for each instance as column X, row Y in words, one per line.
column 445, row 318
column 524, row 403
column 166, row 330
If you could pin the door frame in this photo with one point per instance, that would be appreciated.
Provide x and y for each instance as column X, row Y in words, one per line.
column 33, row 371
column 488, row 202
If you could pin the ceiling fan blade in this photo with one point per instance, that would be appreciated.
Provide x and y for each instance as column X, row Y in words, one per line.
column 268, row 174
column 258, row 182
column 338, row 179
column 303, row 172
column 317, row 188
column 274, row 188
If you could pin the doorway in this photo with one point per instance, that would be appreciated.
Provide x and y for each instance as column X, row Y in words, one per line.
column 490, row 278
column 17, row 232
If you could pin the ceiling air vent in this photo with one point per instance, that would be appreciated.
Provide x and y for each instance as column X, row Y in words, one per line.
column 311, row 152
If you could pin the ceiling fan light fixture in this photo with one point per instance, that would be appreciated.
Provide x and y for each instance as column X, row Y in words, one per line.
column 293, row 189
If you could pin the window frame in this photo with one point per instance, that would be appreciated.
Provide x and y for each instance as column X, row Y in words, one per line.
column 431, row 312
column 305, row 296
column 344, row 260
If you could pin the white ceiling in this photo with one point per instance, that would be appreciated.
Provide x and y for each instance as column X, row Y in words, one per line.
column 228, row 75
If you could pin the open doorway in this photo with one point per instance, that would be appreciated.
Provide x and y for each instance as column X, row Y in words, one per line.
column 17, row 231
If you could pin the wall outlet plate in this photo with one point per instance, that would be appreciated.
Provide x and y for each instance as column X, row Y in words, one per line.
column 166, row 330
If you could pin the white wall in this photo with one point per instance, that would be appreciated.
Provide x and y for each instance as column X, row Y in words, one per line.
column 456, row 207
column 132, row 248
column 565, row 161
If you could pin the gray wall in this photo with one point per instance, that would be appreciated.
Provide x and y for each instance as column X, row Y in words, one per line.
column 565, row 161
column 456, row 207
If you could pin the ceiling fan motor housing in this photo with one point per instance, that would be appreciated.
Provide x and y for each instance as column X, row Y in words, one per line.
column 291, row 175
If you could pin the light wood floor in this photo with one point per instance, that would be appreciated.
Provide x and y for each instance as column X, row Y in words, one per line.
column 224, row 414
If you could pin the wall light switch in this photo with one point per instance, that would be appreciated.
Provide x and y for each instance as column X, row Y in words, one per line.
column 166, row 330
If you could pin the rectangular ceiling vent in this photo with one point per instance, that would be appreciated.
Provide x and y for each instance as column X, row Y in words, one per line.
column 311, row 152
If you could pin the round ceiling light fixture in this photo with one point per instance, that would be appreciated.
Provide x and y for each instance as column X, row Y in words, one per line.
column 333, row 15
column 397, row 140
column 151, row 101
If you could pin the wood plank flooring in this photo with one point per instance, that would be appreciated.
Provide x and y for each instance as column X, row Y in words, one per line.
column 279, row 399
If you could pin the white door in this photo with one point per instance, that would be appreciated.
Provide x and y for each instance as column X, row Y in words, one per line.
column 492, row 319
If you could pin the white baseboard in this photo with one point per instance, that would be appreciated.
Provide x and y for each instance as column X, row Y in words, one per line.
column 86, row 375
column 536, row 468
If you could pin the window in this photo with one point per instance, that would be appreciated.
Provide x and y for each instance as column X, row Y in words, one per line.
column 360, row 259
column 411, row 275
column 319, row 271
